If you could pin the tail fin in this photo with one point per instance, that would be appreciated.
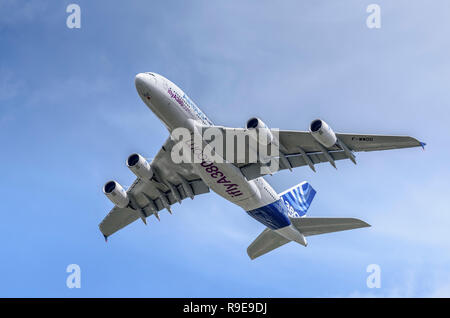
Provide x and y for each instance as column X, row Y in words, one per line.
column 298, row 199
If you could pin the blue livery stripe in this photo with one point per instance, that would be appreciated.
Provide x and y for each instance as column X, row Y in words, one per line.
column 273, row 215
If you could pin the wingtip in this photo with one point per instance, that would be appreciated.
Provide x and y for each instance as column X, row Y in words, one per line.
column 106, row 238
column 250, row 255
column 422, row 144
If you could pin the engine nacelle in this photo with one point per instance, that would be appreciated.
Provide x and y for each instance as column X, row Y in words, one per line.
column 139, row 166
column 265, row 135
column 323, row 133
column 116, row 194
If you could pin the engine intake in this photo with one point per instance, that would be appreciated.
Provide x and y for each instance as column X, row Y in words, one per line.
column 264, row 134
column 139, row 166
column 323, row 133
column 116, row 193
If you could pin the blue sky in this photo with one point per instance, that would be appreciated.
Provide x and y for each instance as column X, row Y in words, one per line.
column 70, row 115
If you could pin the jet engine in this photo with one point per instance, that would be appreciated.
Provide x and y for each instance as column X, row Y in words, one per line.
column 116, row 194
column 323, row 133
column 264, row 133
column 139, row 166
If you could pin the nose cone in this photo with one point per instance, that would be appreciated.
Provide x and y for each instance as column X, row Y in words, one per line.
column 145, row 84
column 143, row 80
column 139, row 79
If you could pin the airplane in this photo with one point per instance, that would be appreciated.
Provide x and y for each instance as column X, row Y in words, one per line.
column 161, row 183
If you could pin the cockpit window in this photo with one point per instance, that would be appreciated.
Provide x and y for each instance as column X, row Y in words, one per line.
column 150, row 74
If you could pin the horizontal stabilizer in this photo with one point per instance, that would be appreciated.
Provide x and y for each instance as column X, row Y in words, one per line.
column 313, row 226
column 267, row 241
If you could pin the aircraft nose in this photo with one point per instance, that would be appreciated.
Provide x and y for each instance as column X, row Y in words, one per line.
column 145, row 85
column 141, row 80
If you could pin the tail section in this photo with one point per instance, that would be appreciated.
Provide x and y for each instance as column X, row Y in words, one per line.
column 269, row 239
column 298, row 199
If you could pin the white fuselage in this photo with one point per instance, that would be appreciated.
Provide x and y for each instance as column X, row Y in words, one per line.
column 175, row 109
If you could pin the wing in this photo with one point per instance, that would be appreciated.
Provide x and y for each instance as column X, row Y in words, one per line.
column 171, row 183
column 300, row 148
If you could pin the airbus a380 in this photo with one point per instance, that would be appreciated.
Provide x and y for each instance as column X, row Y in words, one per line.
column 162, row 182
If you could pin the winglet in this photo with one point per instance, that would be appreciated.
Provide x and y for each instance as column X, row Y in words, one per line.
column 106, row 238
column 422, row 144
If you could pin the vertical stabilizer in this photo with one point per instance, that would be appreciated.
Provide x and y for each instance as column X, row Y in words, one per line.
column 298, row 199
